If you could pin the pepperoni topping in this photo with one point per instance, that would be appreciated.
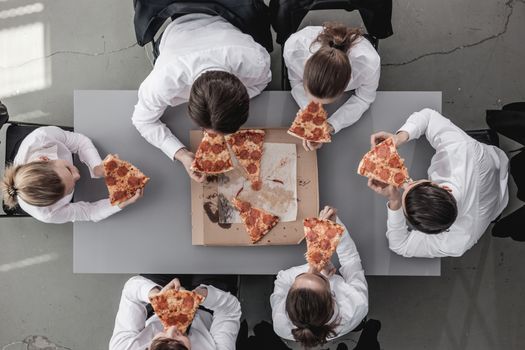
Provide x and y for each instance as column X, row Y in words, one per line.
column 239, row 140
column 256, row 185
column 318, row 120
column 119, row 195
column 369, row 166
column 309, row 223
column 298, row 131
column 244, row 206
column 207, row 164
column 187, row 303
column 257, row 138
column 122, row 171
column 251, row 168
column 383, row 151
column 325, row 244
column 111, row 165
column 399, row 178
column 254, row 213
column 161, row 303
column 256, row 155
column 311, row 235
column 312, row 107
column 384, row 174
column 256, row 234
column 110, row 181
column 220, row 164
column 316, row 257
column 133, row 181
column 180, row 318
column 244, row 154
column 268, row 219
column 217, row 148
column 205, row 146
column 307, row 117
column 250, row 220
column 317, row 133
column 394, row 162
column 331, row 232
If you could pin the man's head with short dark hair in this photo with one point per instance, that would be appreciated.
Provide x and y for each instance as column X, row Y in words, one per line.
column 429, row 208
column 219, row 101
column 163, row 343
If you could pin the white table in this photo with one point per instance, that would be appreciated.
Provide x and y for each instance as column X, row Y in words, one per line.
column 154, row 235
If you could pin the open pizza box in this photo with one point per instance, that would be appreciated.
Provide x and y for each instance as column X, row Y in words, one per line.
column 290, row 190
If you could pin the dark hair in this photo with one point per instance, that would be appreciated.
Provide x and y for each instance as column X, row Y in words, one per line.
column 430, row 208
column 310, row 311
column 219, row 101
column 328, row 71
column 166, row 344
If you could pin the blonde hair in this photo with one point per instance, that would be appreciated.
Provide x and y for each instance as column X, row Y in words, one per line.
column 36, row 183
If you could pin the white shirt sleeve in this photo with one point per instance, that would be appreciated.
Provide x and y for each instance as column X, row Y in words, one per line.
column 226, row 317
column 154, row 96
column 129, row 332
column 360, row 101
column 75, row 143
column 439, row 131
column 71, row 212
column 454, row 242
column 353, row 298
column 285, row 278
column 294, row 57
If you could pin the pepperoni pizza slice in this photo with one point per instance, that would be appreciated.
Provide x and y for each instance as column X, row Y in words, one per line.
column 322, row 238
column 122, row 179
column 247, row 145
column 212, row 156
column 176, row 308
column 384, row 164
column 310, row 124
column 256, row 221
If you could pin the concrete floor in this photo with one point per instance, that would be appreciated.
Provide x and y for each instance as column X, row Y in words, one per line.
column 471, row 50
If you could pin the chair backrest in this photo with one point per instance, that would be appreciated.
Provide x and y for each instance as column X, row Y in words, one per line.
column 250, row 16
column 486, row 136
column 287, row 15
column 4, row 115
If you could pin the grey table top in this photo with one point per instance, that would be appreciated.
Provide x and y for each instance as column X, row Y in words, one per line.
column 154, row 235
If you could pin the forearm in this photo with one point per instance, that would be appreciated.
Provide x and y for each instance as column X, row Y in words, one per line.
column 348, row 113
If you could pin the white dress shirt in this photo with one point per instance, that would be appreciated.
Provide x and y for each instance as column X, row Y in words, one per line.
column 349, row 289
column 477, row 174
column 190, row 46
column 366, row 69
column 56, row 143
column 133, row 332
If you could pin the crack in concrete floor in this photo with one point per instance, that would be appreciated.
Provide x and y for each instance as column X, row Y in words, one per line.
column 70, row 52
column 36, row 342
column 510, row 4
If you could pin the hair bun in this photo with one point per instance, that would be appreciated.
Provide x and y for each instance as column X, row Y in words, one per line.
column 12, row 191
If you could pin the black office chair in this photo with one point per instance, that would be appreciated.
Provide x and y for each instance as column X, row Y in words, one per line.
column 250, row 16
column 16, row 132
column 486, row 136
column 287, row 16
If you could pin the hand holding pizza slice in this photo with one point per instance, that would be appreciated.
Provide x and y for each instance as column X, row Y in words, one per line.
column 311, row 124
column 383, row 163
column 176, row 307
column 322, row 238
column 123, row 179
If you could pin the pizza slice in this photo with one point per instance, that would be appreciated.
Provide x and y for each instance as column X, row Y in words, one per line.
column 384, row 164
column 247, row 145
column 322, row 238
column 310, row 124
column 122, row 179
column 256, row 221
column 212, row 156
column 176, row 308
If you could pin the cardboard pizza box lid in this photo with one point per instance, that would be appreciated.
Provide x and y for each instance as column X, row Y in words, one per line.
column 204, row 212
